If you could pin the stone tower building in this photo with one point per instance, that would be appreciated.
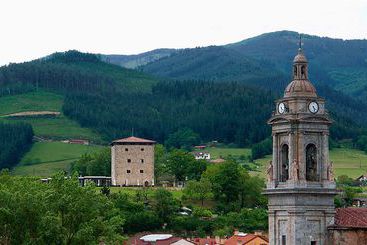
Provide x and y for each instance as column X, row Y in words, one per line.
column 300, row 185
column 132, row 162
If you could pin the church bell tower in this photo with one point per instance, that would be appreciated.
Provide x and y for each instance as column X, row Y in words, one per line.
column 300, row 185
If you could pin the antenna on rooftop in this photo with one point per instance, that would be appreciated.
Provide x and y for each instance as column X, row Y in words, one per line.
column 132, row 132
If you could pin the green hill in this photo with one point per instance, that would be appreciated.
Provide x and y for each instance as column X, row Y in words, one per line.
column 57, row 127
column 47, row 158
column 34, row 93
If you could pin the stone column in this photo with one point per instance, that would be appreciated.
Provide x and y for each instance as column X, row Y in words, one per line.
column 301, row 155
column 291, row 155
column 275, row 158
column 325, row 155
column 272, row 227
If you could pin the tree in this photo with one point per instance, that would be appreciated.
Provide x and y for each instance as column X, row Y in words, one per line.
column 164, row 205
column 261, row 149
column 234, row 188
column 178, row 162
column 61, row 212
column 184, row 138
column 198, row 190
column 98, row 163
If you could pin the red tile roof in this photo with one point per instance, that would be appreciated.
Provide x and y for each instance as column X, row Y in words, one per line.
column 205, row 241
column 351, row 217
column 133, row 139
column 243, row 239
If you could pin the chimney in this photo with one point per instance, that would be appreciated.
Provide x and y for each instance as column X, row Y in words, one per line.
column 258, row 233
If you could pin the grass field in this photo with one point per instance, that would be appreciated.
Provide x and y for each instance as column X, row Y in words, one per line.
column 216, row 152
column 59, row 127
column 47, row 158
column 33, row 101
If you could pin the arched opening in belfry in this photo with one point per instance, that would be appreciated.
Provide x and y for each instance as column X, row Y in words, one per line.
column 295, row 71
column 284, row 175
column 311, row 163
column 303, row 72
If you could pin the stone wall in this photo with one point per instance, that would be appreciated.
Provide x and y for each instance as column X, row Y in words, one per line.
column 347, row 236
column 132, row 165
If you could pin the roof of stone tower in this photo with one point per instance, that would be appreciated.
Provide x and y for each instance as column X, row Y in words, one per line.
column 300, row 88
column 133, row 139
column 300, row 57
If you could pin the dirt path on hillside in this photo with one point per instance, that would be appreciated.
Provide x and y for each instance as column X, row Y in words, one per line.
column 33, row 113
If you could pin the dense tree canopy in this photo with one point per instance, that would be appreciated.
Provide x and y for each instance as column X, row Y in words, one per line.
column 15, row 140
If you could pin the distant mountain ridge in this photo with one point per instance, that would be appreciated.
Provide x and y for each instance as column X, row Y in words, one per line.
column 341, row 64
column 338, row 68
column 137, row 60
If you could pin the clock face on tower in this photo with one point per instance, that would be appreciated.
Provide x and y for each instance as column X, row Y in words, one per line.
column 281, row 108
column 313, row 107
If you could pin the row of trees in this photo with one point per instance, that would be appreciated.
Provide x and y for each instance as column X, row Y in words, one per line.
column 15, row 140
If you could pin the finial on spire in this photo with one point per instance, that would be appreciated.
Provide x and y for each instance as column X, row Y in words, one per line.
column 300, row 42
column 132, row 132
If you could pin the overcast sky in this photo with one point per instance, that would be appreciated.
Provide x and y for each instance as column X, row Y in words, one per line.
column 35, row 28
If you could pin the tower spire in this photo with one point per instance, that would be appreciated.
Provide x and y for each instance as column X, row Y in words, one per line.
column 300, row 42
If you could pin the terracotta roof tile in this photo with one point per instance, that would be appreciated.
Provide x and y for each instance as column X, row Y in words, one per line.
column 351, row 217
column 133, row 139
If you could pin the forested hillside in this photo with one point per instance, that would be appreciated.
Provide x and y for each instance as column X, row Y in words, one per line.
column 113, row 100
column 15, row 140
column 69, row 72
column 228, row 112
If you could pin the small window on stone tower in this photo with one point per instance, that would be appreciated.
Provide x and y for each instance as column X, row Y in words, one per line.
column 142, row 149
column 284, row 240
column 311, row 163
column 141, row 171
column 313, row 243
column 142, row 160
column 126, row 149
column 128, row 160
column 284, row 164
column 128, row 171
column 295, row 71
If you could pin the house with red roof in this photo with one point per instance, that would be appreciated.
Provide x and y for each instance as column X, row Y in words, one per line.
column 240, row 238
column 350, row 227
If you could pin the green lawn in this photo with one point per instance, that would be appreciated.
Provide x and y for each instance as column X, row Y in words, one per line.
column 33, row 101
column 346, row 161
column 47, row 158
column 216, row 152
column 59, row 127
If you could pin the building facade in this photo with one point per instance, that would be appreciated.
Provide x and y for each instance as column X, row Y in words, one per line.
column 300, row 185
column 350, row 227
column 132, row 162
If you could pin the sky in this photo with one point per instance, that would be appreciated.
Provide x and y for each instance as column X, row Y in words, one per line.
column 31, row 29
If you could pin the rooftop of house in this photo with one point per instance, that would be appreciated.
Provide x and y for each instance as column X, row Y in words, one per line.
column 133, row 139
column 351, row 217
column 243, row 238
